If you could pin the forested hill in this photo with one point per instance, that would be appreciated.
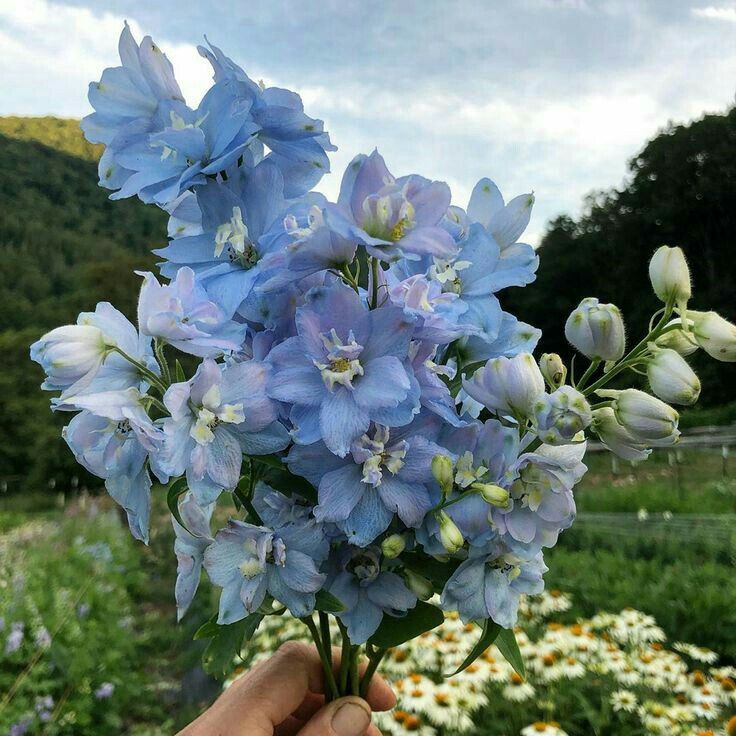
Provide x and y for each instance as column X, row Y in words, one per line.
column 681, row 191
column 64, row 246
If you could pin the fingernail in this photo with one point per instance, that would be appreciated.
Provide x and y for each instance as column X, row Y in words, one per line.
column 351, row 719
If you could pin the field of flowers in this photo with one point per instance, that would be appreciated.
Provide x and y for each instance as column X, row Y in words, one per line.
column 88, row 644
column 615, row 673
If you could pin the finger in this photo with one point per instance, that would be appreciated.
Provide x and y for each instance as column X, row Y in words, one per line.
column 309, row 706
column 271, row 692
column 290, row 727
column 380, row 696
column 343, row 717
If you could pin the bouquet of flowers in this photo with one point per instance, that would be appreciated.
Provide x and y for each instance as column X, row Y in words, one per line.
column 377, row 419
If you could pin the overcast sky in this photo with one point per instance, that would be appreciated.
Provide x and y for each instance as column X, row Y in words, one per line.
column 546, row 95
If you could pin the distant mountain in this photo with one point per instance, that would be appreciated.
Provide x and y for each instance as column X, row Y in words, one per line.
column 64, row 246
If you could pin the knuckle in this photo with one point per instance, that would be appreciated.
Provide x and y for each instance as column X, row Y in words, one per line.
column 294, row 650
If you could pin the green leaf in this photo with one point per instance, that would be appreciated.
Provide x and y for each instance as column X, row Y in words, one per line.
column 226, row 643
column 436, row 571
column 208, row 629
column 176, row 489
column 508, row 646
column 328, row 603
column 179, row 372
column 273, row 461
column 289, row 484
column 490, row 631
column 394, row 631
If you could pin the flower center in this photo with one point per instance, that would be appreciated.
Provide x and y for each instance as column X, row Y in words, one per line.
column 447, row 273
column 341, row 365
column 211, row 414
column 508, row 564
column 265, row 550
column 375, row 455
column 232, row 238
column 365, row 565
column 388, row 214
column 465, row 473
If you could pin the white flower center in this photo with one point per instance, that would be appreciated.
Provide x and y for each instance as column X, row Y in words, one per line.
column 465, row 472
column 342, row 364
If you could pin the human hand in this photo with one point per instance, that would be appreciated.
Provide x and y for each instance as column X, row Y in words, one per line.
column 283, row 696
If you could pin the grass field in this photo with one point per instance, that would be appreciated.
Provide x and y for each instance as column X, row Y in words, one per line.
column 660, row 537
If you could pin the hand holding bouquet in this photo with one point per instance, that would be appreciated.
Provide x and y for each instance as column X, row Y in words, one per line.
column 361, row 397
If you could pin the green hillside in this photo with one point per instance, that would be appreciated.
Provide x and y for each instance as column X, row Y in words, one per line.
column 64, row 247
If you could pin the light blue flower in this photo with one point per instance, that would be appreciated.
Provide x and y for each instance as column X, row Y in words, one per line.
column 367, row 593
column 297, row 144
column 561, row 416
column 541, row 484
column 182, row 314
column 78, row 359
column 218, row 415
column 189, row 547
column 131, row 101
column 387, row 473
column 391, row 217
column 489, row 583
column 346, row 367
column 248, row 562
column 241, row 221
column 112, row 437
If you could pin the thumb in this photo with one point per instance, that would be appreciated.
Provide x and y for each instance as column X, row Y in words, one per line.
column 343, row 717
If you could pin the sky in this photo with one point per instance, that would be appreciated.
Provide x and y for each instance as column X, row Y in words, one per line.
column 550, row 96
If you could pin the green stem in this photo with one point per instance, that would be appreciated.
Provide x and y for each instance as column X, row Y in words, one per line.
column 158, row 349
column 374, row 282
column 354, row 671
column 344, row 658
column 247, row 504
column 374, row 660
column 331, row 691
column 445, row 504
column 592, row 368
column 153, row 401
column 146, row 372
column 348, row 277
column 324, row 627
column 635, row 353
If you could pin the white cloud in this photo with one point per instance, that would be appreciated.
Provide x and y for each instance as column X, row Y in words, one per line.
column 714, row 13
column 527, row 112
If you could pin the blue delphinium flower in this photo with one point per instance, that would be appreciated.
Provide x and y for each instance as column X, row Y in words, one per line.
column 112, row 437
column 130, row 101
column 78, row 359
column 297, row 144
column 542, row 502
column 346, row 366
column 367, row 593
column 490, row 582
column 189, row 547
column 181, row 314
column 387, row 472
column 391, row 217
column 218, row 415
column 481, row 453
column 241, row 219
column 249, row 561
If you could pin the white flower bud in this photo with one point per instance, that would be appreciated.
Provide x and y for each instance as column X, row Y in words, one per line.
column 596, row 330
column 69, row 354
column 645, row 417
column 615, row 437
column 553, row 370
column 492, row 494
column 442, row 470
column 670, row 275
column 716, row 335
column 671, row 378
column 508, row 386
column 677, row 339
column 450, row 536
column 561, row 416
column 393, row 546
column 419, row 585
